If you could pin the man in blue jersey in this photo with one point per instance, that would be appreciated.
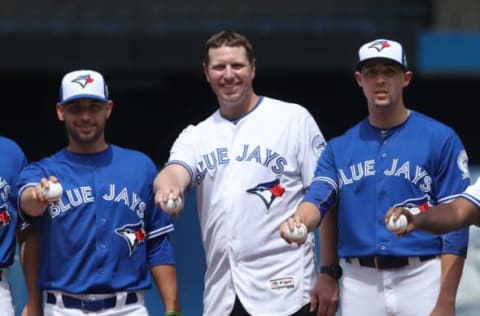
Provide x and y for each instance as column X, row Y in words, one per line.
column 12, row 160
column 103, row 235
column 394, row 157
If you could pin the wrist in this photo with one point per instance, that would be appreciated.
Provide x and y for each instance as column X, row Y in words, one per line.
column 333, row 270
column 173, row 313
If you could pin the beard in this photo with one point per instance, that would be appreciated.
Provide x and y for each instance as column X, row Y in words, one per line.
column 85, row 138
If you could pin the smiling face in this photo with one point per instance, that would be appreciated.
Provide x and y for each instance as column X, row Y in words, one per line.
column 85, row 121
column 383, row 82
column 230, row 74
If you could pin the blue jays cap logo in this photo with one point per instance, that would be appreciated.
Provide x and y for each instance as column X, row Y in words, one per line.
column 380, row 45
column 268, row 192
column 4, row 216
column 83, row 80
column 134, row 234
column 382, row 48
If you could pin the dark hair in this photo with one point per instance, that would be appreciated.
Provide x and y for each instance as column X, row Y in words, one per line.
column 230, row 39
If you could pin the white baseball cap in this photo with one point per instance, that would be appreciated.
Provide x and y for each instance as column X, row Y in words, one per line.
column 83, row 84
column 382, row 48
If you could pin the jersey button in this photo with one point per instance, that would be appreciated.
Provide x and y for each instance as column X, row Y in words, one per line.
column 384, row 155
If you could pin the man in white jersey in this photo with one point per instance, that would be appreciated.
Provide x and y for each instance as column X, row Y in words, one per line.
column 461, row 212
column 251, row 161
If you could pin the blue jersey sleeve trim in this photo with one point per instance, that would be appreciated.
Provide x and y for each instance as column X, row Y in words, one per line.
column 456, row 242
column 322, row 192
column 159, row 232
column 160, row 251
column 471, row 198
column 22, row 214
column 448, row 198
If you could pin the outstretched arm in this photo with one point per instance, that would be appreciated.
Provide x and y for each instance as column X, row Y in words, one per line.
column 33, row 201
column 441, row 218
column 308, row 214
column 171, row 182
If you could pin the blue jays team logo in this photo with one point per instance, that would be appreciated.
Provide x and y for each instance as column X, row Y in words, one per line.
column 4, row 216
column 83, row 80
column 268, row 192
column 318, row 144
column 380, row 45
column 462, row 163
column 134, row 234
column 417, row 205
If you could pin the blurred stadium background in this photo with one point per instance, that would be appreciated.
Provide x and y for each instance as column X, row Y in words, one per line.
column 150, row 52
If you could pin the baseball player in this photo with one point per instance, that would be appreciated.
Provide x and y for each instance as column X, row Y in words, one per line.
column 394, row 157
column 103, row 234
column 12, row 160
column 250, row 161
column 461, row 212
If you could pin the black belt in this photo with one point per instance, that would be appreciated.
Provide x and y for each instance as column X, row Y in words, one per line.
column 387, row 262
column 91, row 305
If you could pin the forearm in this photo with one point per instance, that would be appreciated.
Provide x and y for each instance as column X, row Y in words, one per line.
column 309, row 215
column 447, row 217
column 328, row 238
column 29, row 246
column 452, row 268
column 165, row 278
column 172, row 176
column 31, row 203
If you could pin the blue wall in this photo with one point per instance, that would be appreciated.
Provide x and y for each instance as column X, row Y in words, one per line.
column 449, row 52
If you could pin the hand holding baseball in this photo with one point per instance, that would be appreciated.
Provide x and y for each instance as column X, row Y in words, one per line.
column 293, row 232
column 173, row 206
column 52, row 191
column 397, row 224
column 398, row 219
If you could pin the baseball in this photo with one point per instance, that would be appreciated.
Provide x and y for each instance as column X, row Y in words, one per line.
column 297, row 234
column 399, row 225
column 54, row 191
column 173, row 206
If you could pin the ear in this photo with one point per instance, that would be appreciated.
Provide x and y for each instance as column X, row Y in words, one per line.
column 205, row 72
column 407, row 78
column 60, row 113
column 254, row 68
column 109, row 108
column 358, row 78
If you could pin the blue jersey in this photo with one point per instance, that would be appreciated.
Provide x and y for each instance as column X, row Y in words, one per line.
column 367, row 170
column 105, row 232
column 12, row 160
